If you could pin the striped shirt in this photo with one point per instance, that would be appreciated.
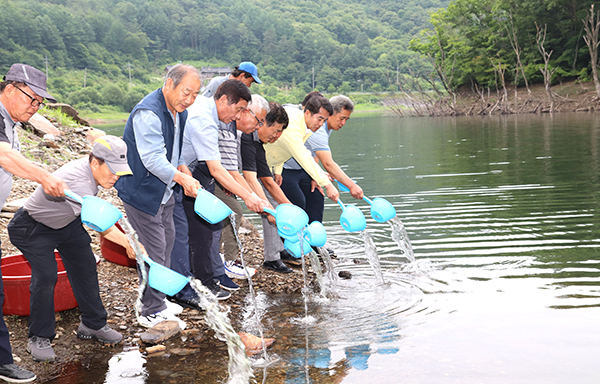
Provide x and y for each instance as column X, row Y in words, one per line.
column 229, row 146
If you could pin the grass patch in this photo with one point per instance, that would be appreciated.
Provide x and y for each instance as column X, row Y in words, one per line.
column 105, row 116
column 56, row 115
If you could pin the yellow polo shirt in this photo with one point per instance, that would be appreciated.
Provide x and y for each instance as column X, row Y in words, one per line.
column 291, row 144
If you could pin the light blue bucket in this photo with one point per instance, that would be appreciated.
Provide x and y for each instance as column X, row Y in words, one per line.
column 381, row 209
column 164, row 279
column 290, row 218
column 211, row 208
column 292, row 238
column 315, row 234
column 96, row 213
column 294, row 248
column 352, row 219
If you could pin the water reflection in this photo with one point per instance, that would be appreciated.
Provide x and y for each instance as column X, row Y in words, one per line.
column 127, row 367
column 502, row 214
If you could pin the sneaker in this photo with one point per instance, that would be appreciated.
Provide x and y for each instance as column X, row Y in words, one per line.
column 235, row 270
column 105, row 335
column 220, row 293
column 277, row 266
column 173, row 308
column 40, row 349
column 226, row 283
column 15, row 374
column 150, row 321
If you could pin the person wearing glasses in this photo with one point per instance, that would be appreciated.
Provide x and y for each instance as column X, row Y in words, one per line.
column 299, row 182
column 22, row 94
column 201, row 153
column 247, row 73
column 258, row 174
column 318, row 144
column 46, row 223
column 252, row 119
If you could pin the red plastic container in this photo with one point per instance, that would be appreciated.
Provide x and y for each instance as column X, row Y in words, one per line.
column 16, row 276
column 113, row 252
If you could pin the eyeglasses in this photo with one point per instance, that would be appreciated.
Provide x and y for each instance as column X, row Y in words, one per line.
column 259, row 122
column 35, row 103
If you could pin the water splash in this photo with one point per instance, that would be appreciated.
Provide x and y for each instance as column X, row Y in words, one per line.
column 239, row 368
column 372, row 256
column 330, row 269
column 216, row 316
column 132, row 237
column 266, row 361
column 316, row 266
column 304, row 274
column 400, row 236
column 306, row 319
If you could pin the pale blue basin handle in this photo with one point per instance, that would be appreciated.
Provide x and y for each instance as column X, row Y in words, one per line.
column 73, row 196
column 269, row 210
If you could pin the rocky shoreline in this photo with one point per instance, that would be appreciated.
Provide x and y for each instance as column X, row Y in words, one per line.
column 118, row 284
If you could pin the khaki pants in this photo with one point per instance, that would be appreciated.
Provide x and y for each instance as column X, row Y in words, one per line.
column 228, row 240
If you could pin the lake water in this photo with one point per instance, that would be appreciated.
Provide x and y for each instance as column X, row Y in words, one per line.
column 503, row 215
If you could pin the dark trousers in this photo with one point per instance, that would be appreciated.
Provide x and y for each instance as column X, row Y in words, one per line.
column 296, row 186
column 5, row 350
column 202, row 235
column 157, row 234
column 180, row 256
column 38, row 242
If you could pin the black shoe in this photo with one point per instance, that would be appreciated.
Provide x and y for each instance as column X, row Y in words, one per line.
column 219, row 292
column 226, row 283
column 328, row 250
column 15, row 374
column 289, row 259
column 187, row 303
column 277, row 266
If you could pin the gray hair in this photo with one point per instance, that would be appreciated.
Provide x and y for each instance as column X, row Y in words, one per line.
column 260, row 103
column 179, row 71
column 341, row 102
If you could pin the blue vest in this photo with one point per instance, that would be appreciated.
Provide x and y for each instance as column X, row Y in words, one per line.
column 143, row 190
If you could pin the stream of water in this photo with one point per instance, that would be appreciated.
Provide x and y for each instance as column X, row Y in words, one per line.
column 503, row 218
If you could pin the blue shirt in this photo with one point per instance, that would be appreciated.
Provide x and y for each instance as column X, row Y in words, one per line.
column 201, row 135
column 150, row 144
column 318, row 141
column 212, row 86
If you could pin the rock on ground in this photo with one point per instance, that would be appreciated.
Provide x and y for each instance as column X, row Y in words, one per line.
column 119, row 284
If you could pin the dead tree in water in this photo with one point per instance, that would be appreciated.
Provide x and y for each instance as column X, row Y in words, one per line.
column 540, row 39
column 500, row 70
column 514, row 42
column 591, row 24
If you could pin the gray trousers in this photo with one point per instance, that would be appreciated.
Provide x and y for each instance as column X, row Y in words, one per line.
column 272, row 241
column 228, row 240
column 157, row 235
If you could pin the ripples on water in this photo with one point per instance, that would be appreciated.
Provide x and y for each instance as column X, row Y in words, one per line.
column 502, row 217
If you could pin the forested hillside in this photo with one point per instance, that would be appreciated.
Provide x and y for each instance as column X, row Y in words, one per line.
column 351, row 44
column 485, row 43
column 112, row 52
